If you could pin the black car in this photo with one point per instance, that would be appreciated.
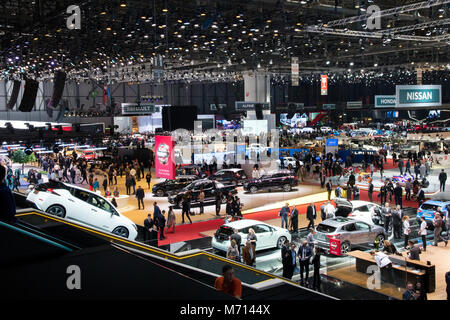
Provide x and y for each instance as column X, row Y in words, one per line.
column 210, row 188
column 168, row 186
column 230, row 176
column 284, row 180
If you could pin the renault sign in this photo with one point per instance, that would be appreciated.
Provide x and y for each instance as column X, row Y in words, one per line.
column 385, row 102
column 408, row 96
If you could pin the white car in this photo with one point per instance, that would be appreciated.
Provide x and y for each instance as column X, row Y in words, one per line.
column 268, row 236
column 82, row 206
column 307, row 130
column 287, row 161
column 325, row 129
column 364, row 211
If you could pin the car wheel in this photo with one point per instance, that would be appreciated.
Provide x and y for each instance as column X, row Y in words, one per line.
column 380, row 238
column 280, row 242
column 121, row 232
column 253, row 189
column 160, row 193
column 286, row 187
column 57, row 210
column 345, row 248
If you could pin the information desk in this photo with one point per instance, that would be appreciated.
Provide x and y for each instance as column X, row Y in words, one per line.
column 404, row 269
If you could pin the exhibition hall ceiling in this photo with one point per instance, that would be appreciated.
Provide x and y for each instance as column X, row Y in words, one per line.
column 125, row 40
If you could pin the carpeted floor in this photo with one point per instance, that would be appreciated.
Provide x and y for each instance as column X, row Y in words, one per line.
column 193, row 231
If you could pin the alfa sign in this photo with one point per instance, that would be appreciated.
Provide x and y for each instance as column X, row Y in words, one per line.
column 408, row 96
column 244, row 105
column 135, row 109
column 385, row 102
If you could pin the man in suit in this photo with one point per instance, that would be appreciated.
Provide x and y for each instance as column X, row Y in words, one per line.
column 249, row 254
column 420, row 196
column 294, row 219
column 285, row 258
column 311, row 215
column 284, row 213
column 442, row 180
column 414, row 252
column 140, row 196
column 149, row 232
column 304, row 254
column 292, row 261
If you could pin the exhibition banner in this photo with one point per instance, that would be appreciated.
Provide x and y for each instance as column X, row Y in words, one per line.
column 294, row 71
column 354, row 104
column 139, row 109
column 324, row 85
column 385, row 102
column 408, row 96
column 335, row 247
column 332, row 142
column 245, row 105
column 164, row 157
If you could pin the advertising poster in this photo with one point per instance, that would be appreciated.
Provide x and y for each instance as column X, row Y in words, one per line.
column 335, row 247
column 323, row 85
column 164, row 158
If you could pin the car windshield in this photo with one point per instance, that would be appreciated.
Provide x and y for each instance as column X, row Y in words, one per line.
column 325, row 228
column 429, row 206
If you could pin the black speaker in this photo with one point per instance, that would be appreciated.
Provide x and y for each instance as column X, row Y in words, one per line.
column 228, row 113
column 29, row 95
column 28, row 150
column 292, row 109
column 15, row 94
column 58, row 88
column 259, row 111
column 63, row 108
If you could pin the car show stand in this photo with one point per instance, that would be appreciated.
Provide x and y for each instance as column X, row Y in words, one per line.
column 405, row 270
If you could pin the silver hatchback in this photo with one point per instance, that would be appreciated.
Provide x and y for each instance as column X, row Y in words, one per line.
column 350, row 232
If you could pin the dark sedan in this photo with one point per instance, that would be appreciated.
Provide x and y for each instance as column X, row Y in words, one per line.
column 284, row 180
column 163, row 188
column 229, row 176
column 210, row 188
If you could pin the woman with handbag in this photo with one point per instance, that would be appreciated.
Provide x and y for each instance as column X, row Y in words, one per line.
column 233, row 251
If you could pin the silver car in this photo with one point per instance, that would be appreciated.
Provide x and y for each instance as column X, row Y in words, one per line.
column 350, row 232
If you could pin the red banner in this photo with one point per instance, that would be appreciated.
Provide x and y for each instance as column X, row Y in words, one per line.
column 323, row 85
column 164, row 158
column 335, row 246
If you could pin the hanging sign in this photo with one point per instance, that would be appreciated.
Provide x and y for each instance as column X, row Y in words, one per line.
column 323, row 85
column 411, row 96
column 294, row 71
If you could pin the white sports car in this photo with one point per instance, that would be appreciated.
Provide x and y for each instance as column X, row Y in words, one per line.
column 82, row 206
column 365, row 211
column 268, row 236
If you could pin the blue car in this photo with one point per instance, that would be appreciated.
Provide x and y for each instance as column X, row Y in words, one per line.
column 428, row 208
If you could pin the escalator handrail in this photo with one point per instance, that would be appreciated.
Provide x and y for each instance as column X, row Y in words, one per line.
column 27, row 226
column 35, row 236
